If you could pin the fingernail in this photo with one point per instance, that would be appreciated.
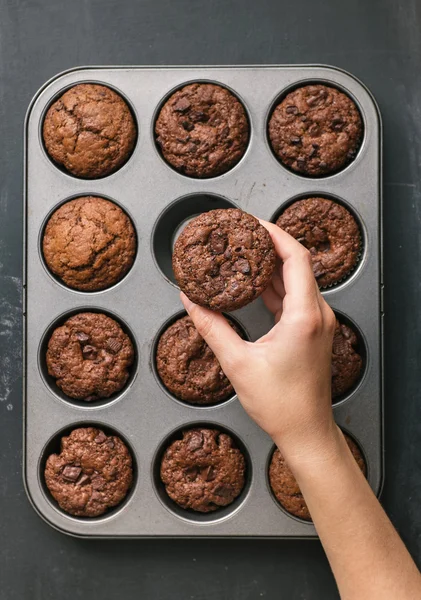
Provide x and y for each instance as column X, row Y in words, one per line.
column 186, row 302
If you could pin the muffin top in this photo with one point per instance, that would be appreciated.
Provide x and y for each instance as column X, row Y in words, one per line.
column 316, row 130
column 202, row 130
column 285, row 486
column 347, row 363
column 204, row 470
column 188, row 367
column 224, row 259
column 89, row 243
column 329, row 232
column 89, row 131
column 92, row 473
column 89, row 356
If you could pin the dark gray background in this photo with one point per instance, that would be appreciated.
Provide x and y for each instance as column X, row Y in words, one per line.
column 377, row 40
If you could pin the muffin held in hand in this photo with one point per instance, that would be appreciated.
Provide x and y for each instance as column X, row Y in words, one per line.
column 92, row 473
column 202, row 130
column 90, row 357
column 187, row 366
column 285, row 486
column 224, row 259
column 89, row 243
column 329, row 232
column 89, row 131
column 316, row 130
column 347, row 363
column 204, row 470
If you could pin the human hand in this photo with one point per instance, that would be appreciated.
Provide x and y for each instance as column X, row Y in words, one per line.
column 283, row 380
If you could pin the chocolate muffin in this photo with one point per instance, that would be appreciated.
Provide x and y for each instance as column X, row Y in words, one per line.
column 285, row 486
column 187, row 366
column 89, row 243
column 90, row 357
column 202, row 130
column 89, row 131
column 203, row 471
column 316, row 130
column 224, row 259
column 92, row 473
column 347, row 363
column 329, row 232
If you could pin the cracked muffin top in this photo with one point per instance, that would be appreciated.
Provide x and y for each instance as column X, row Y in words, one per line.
column 204, row 470
column 202, row 130
column 224, row 259
column 89, row 243
column 90, row 356
column 89, row 131
column 316, row 130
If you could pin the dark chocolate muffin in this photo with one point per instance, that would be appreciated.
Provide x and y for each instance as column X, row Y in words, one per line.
column 90, row 357
column 187, row 366
column 316, row 130
column 202, row 130
column 329, row 232
column 92, row 473
column 285, row 486
column 89, row 131
column 204, row 470
column 347, row 363
column 89, row 243
column 224, row 259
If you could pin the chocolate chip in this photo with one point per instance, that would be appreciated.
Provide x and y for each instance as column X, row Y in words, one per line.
column 82, row 336
column 97, row 483
column 195, row 441
column 301, row 162
column 228, row 253
column 89, row 351
column 187, row 125
column 114, row 345
column 71, row 473
column 208, row 473
column 217, row 242
column 198, row 116
column 338, row 124
column 311, row 101
column 90, row 398
column 318, row 269
column 100, row 438
column 223, row 491
column 182, row 105
column 291, row 110
column 313, row 129
column 191, row 473
column 295, row 140
column 83, row 479
column 110, row 443
column 242, row 266
column 322, row 164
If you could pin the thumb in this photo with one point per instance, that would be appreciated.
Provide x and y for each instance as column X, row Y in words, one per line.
column 224, row 342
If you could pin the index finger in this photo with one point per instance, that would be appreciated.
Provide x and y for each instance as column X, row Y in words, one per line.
column 297, row 271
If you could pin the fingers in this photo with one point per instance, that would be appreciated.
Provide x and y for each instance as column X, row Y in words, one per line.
column 272, row 300
column 225, row 343
column 301, row 294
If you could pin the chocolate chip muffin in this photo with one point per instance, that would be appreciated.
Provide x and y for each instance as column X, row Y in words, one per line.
column 92, row 473
column 89, row 131
column 202, row 130
column 204, row 470
column 89, row 243
column 316, row 130
column 347, row 363
column 187, row 366
column 90, row 357
column 285, row 486
column 329, row 232
column 224, row 259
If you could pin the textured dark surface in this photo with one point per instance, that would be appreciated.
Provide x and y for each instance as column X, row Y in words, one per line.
column 91, row 474
column 379, row 42
column 204, row 470
column 346, row 361
column 223, row 259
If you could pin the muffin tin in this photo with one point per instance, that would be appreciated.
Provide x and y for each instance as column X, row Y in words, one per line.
column 160, row 201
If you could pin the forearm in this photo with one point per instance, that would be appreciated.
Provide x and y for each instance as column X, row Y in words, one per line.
column 367, row 557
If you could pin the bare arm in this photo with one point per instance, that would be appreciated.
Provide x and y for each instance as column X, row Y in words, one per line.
column 283, row 382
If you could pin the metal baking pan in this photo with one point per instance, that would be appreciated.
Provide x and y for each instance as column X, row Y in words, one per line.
column 159, row 200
